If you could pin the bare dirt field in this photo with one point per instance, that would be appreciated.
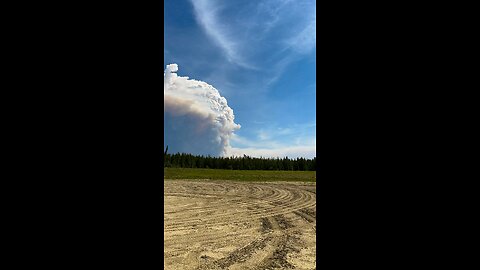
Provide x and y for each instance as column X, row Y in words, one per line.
column 239, row 225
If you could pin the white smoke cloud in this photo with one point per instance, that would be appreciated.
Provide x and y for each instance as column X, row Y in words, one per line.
column 197, row 119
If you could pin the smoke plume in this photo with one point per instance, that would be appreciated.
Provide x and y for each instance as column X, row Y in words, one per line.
column 197, row 119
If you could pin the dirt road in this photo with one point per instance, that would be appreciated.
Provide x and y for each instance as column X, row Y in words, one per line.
column 239, row 225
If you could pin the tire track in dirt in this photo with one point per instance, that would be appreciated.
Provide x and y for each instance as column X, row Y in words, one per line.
column 283, row 201
column 232, row 225
column 276, row 238
column 305, row 215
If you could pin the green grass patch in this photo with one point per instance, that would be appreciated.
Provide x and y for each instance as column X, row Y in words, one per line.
column 239, row 175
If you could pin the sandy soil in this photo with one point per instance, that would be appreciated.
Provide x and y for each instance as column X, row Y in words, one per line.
column 239, row 225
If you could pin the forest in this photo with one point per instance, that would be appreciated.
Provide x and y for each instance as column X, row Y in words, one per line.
column 183, row 160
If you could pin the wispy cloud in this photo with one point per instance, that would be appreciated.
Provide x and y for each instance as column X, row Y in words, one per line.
column 206, row 13
column 277, row 28
column 305, row 40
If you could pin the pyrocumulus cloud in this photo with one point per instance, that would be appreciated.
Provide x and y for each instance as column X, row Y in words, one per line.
column 197, row 119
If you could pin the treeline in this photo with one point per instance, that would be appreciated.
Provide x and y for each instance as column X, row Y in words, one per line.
column 182, row 160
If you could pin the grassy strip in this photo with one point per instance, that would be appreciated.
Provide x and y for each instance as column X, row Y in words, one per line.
column 239, row 175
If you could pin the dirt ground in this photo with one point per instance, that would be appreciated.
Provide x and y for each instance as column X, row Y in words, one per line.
column 239, row 225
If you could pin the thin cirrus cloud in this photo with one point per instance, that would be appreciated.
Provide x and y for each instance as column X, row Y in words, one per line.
column 206, row 13
column 275, row 29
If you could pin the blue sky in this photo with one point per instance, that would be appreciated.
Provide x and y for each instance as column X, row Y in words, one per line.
column 261, row 57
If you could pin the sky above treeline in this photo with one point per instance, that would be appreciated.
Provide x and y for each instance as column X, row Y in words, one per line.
column 240, row 77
